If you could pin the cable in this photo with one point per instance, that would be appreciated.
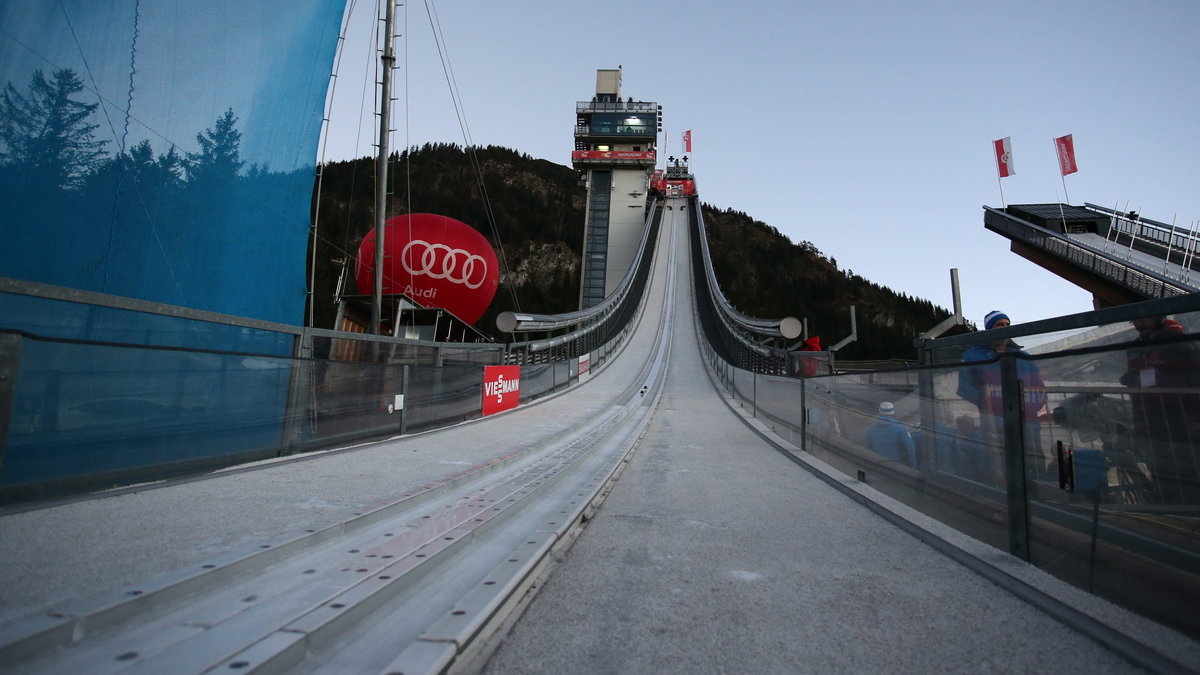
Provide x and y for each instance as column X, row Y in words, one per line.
column 439, row 40
column 316, row 219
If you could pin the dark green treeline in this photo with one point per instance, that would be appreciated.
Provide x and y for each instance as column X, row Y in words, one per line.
column 537, row 207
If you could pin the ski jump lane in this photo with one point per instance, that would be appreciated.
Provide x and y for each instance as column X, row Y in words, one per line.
column 287, row 562
column 419, row 554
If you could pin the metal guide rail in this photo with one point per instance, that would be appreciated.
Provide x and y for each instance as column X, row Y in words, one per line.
column 414, row 585
column 270, row 606
column 604, row 324
column 737, row 334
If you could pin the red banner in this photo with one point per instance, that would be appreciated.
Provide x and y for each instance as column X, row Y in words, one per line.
column 501, row 388
column 612, row 154
column 1004, row 162
column 687, row 141
column 1066, row 154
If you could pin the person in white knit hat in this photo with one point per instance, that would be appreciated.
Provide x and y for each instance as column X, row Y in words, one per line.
column 889, row 438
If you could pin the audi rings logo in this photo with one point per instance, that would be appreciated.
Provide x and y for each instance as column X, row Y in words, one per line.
column 439, row 261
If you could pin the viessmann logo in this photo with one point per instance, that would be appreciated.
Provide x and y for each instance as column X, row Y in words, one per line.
column 439, row 261
column 501, row 388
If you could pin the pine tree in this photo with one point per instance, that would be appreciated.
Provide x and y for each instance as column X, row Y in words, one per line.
column 48, row 144
column 219, row 160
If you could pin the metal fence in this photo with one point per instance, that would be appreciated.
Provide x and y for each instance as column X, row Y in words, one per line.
column 98, row 391
column 1146, row 283
column 741, row 339
column 593, row 332
column 1085, row 462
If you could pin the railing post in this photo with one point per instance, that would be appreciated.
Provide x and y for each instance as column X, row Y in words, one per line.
column 804, row 414
column 300, row 387
column 927, row 448
column 1014, row 458
column 404, row 399
column 754, row 394
column 10, row 359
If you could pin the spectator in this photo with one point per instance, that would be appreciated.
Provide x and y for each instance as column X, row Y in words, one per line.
column 1166, row 426
column 810, row 365
column 981, row 385
column 974, row 461
column 889, row 438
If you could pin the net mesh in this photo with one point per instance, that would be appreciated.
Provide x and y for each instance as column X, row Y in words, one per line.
column 164, row 150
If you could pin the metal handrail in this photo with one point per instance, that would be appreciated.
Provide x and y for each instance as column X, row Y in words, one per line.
column 733, row 329
column 1153, row 281
column 1152, row 231
column 512, row 322
column 788, row 327
column 616, row 106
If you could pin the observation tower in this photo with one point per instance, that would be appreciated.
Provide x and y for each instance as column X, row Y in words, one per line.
column 614, row 155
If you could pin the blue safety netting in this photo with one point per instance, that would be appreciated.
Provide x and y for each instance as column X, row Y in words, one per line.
column 164, row 150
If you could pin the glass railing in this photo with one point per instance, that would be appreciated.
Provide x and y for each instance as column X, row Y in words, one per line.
column 1084, row 462
column 82, row 316
column 100, row 391
column 616, row 106
column 85, row 415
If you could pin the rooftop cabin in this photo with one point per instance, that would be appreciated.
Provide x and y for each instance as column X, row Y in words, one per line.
column 636, row 119
column 611, row 131
column 1061, row 218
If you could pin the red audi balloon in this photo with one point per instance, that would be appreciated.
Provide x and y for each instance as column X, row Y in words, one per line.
column 436, row 261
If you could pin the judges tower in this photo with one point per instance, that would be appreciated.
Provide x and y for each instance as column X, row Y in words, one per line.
column 614, row 154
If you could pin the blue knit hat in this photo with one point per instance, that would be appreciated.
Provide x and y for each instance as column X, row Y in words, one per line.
column 993, row 316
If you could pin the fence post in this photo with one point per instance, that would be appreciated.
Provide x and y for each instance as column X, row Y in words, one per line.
column 1014, row 458
column 754, row 393
column 10, row 359
column 404, row 394
column 927, row 458
column 804, row 414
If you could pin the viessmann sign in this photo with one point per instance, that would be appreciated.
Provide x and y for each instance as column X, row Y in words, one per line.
column 501, row 388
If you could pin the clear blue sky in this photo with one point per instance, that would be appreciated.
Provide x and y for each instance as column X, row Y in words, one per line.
column 864, row 127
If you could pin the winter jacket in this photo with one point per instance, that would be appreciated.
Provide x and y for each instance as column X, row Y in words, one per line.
column 981, row 385
column 889, row 438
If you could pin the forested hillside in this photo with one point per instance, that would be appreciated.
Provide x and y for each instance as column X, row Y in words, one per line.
column 765, row 274
column 537, row 207
column 538, row 210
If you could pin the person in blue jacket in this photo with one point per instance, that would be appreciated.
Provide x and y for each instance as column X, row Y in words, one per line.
column 981, row 386
column 889, row 438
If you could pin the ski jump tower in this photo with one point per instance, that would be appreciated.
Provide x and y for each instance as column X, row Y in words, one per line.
column 614, row 155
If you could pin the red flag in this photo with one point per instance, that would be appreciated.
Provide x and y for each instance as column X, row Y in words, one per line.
column 1065, row 148
column 687, row 141
column 1004, row 162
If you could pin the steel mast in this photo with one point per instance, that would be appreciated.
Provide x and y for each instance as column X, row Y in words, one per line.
column 385, row 106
